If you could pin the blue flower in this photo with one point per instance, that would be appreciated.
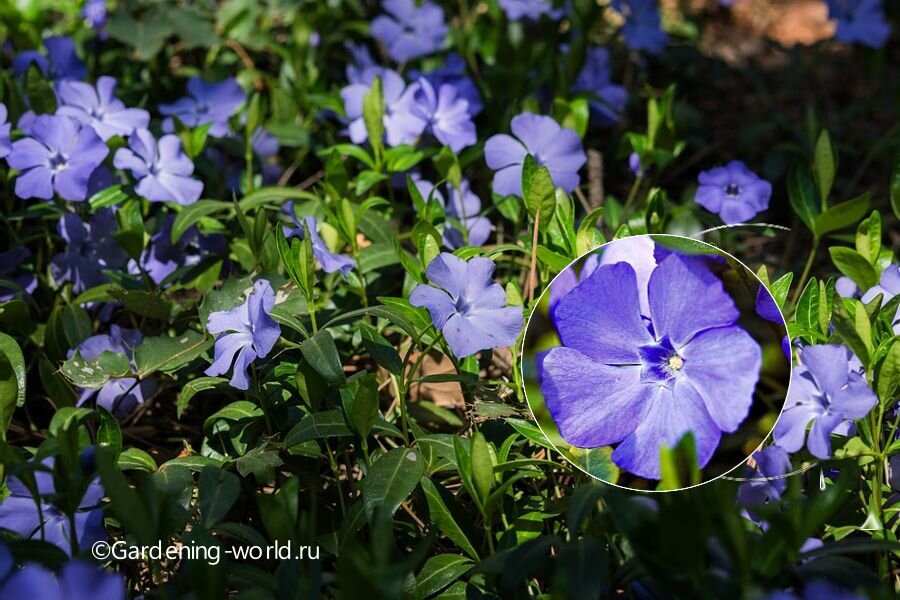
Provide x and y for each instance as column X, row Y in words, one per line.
column 5, row 128
column 467, row 305
column 60, row 63
column 401, row 125
column 77, row 580
column 249, row 333
column 453, row 72
column 58, row 155
column 90, row 249
column 94, row 12
column 766, row 482
column 464, row 207
column 410, row 30
column 733, row 192
column 826, row 391
column 860, row 21
column 208, row 102
column 644, row 381
column 9, row 260
column 163, row 169
column 361, row 62
column 889, row 286
column 330, row 261
column 162, row 256
column 445, row 113
column 99, row 108
column 642, row 28
column 530, row 9
column 608, row 99
column 558, row 149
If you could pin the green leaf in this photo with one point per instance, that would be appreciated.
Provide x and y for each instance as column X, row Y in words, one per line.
column 193, row 387
column 93, row 373
column 888, row 379
column 323, row 356
column 841, row 215
column 589, row 236
column 802, row 195
column 807, row 313
column 538, row 192
column 780, row 289
column 380, row 349
column 440, row 571
column 373, row 115
column 259, row 462
column 852, row 324
column 391, row 479
column 895, row 187
column 482, row 466
column 168, row 354
column 108, row 197
column 824, row 165
column 360, row 400
column 596, row 461
column 440, row 514
column 109, row 433
column 12, row 381
column 145, row 304
column 40, row 92
column 330, row 423
column 868, row 237
column 135, row 459
column 854, row 265
column 190, row 214
column 678, row 464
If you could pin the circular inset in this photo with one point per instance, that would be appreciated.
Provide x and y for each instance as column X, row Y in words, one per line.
column 656, row 362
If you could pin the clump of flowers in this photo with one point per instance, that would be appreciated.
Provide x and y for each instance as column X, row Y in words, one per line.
column 410, row 29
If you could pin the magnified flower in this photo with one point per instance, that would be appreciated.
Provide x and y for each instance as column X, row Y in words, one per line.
column 551, row 146
column 467, row 305
column 860, row 21
column 642, row 28
column 5, row 127
column 619, row 379
column 530, row 9
column 453, row 72
column 249, row 333
column 330, row 261
column 889, row 286
column 9, row 260
column 767, row 308
column 734, row 192
column 401, row 126
column 99, row 108
column 76, row 579
column 163, row 169
column 60, row 63
column 445, row 113
column 59, row 155
column 208, row 102
column 410, row 30
column 609, row 99
column 90, row 249
column 826, row 391
column 19, row 512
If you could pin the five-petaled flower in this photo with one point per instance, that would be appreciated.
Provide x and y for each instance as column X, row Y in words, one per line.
column 860, row 21
column 410, row 30
column 552, row 146
column 99, row 107
column 643, row 381
column 826, row 390
column 467, row 305
column 331, row 262
column 453, row 72
column 642, row 28
column 163, row 169
column 463, row 209
column 208, row 102
column 61, row 62
column 607, row 99
column 401, row 126
column 445, row 113
column 734, row 192
column 248, row 333
column 59, row 155
column 90, row 248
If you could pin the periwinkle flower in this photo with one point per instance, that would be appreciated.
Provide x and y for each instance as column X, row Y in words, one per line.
column 634, row 164
column 9, row 261
column 162, row 256
column 401, row 126
column 61, row 62
column 119, row 340
column 860, row 21
column 642, row 28
column 249, row 333
column 529, row 9
column 826, row 390
column 361, row 61
column 90, row 249
column 734, row 192
column 410, row 29
column 58, row 155
column 608, row 99
column 766, row 482
column 846, row 288
column 888, row 286
column 558, row 149
column 445, row 113
column 330, row 261
column 94, row 12
column 453, row 72
column 163, row 169
column 99, row 108
column 77, row 580
column 5, row 128
column 20, row 513
column 207, row 102
column 467, row 305
column 120, row 395
column 464, row 207
column 644, row 381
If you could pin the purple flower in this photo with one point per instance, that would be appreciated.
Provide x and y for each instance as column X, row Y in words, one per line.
column 400, row 124
column 119, row 340
column 445, row 113
column 99, row 108
column 846, row 288
column 467, row 305
column 5, row 127
column 77, row 580
column 163, row 169
column 826, row 390
column 634, row 164
column 60, row 63
column 860, row 21
column 464, row 207
column 766, row 482
column 208, row 102
column 608, row 99
column 410, row 30
column 642, row 28
column 454, row 73
column 330, row 261
column 619, row 379
column 529, row 9
column 361, row 62
column 734, row 192
column 90, row 249
column 59, row 155
column 250, row 333
column 120, row 396
column 162, row 257
column 19, row 512
column 9, row 260
column 889, row 286
column 552, row 146
column 94, row 12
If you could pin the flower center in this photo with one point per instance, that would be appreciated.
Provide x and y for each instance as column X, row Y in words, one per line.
column 660, row 362
column 732, row 190
column 675, row 362
column 462, row 305
column 57, row 162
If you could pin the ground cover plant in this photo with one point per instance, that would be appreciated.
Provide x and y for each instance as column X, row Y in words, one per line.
column 266, row 267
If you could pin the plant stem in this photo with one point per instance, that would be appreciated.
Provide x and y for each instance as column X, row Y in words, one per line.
column 532, row 273
column 806, row 269
column 632, row 194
